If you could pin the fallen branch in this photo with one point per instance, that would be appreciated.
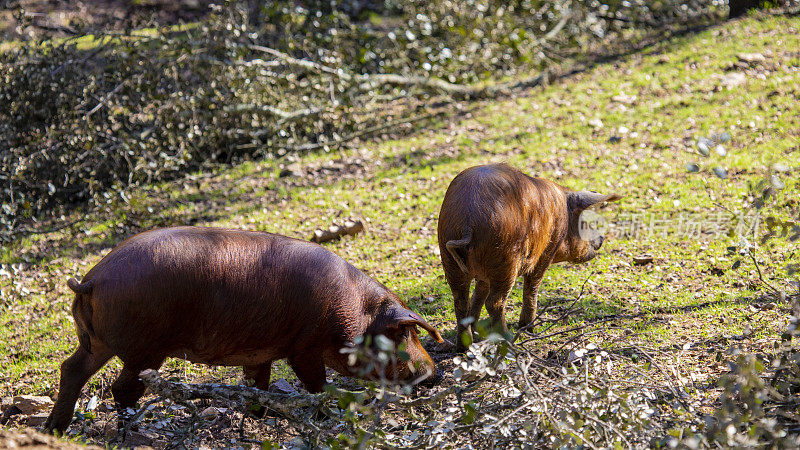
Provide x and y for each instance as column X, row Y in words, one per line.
column 539, row 319
column 49, row 27
column 370, row 81
column 438, row 397
column 103, row 101
column 285, row 404
column 461, row 90
column 556, row 29
column 299, row 62
column 350, row 228
column 130, row 421
column 386, row 125
column 776, row 292
column 284, row 116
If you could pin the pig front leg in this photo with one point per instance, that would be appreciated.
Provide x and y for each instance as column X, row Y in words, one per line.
column 260, row 374
column 127, row 389
column 309, row 366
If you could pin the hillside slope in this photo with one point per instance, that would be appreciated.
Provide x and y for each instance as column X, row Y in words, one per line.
column 629, row 126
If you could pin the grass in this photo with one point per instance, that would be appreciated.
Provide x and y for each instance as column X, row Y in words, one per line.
column 687, row 304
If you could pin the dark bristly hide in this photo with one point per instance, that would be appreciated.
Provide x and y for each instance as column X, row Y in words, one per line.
column 228, row 297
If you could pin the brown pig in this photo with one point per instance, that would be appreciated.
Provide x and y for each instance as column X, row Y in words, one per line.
column 497, row 223
column 228, row 297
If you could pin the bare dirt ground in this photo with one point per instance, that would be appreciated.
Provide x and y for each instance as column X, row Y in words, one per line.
column 31, row 439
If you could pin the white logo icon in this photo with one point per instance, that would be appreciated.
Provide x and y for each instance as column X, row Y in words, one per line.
column 591, row 225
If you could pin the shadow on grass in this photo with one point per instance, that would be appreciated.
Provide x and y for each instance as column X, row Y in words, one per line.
column 190, row 200
column 215, row 198
column 560, row 313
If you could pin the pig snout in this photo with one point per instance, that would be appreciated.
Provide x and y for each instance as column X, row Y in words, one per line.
column 598, row 242
column 419, row 367
column 432, row 380
column 427, row 367
column 400, row 325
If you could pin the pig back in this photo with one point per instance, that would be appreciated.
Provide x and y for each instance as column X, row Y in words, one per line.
column 222, row 296
column 508, row 216
column 485, row 202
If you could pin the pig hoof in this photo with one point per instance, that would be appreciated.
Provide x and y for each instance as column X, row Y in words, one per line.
column 320, row 416
column 522, row 325
column 432, row 380
column 51, row 428
column 258, row 411
column 446, row 346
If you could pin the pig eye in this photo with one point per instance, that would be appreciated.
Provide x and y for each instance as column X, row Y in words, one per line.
column 394, row 334
column 400, row 334
column 407, row 330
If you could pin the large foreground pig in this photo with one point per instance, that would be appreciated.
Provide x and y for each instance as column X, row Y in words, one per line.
column 227, row 297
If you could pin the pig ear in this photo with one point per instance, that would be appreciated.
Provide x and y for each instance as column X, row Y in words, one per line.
column 401, row 317
column 580, row 200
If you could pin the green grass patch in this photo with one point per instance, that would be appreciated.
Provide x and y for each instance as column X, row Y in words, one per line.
column 688, row 294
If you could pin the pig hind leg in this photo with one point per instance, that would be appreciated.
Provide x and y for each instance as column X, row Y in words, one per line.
column 260, row 374
column 474, row 306
column 309, row 367
column 479, row 296
column 496, row 303
column 459, row 284
column 75, row 372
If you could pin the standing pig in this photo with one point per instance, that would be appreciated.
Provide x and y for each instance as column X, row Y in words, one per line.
column 227, row 297
column 497, row 223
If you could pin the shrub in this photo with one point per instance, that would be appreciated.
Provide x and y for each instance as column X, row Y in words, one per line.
column 83, row 119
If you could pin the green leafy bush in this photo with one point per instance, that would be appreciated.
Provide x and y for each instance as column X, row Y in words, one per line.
column 759, row 393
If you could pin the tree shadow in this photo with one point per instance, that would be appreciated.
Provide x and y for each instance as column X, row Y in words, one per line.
column 223, row 197
column 560, row 312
